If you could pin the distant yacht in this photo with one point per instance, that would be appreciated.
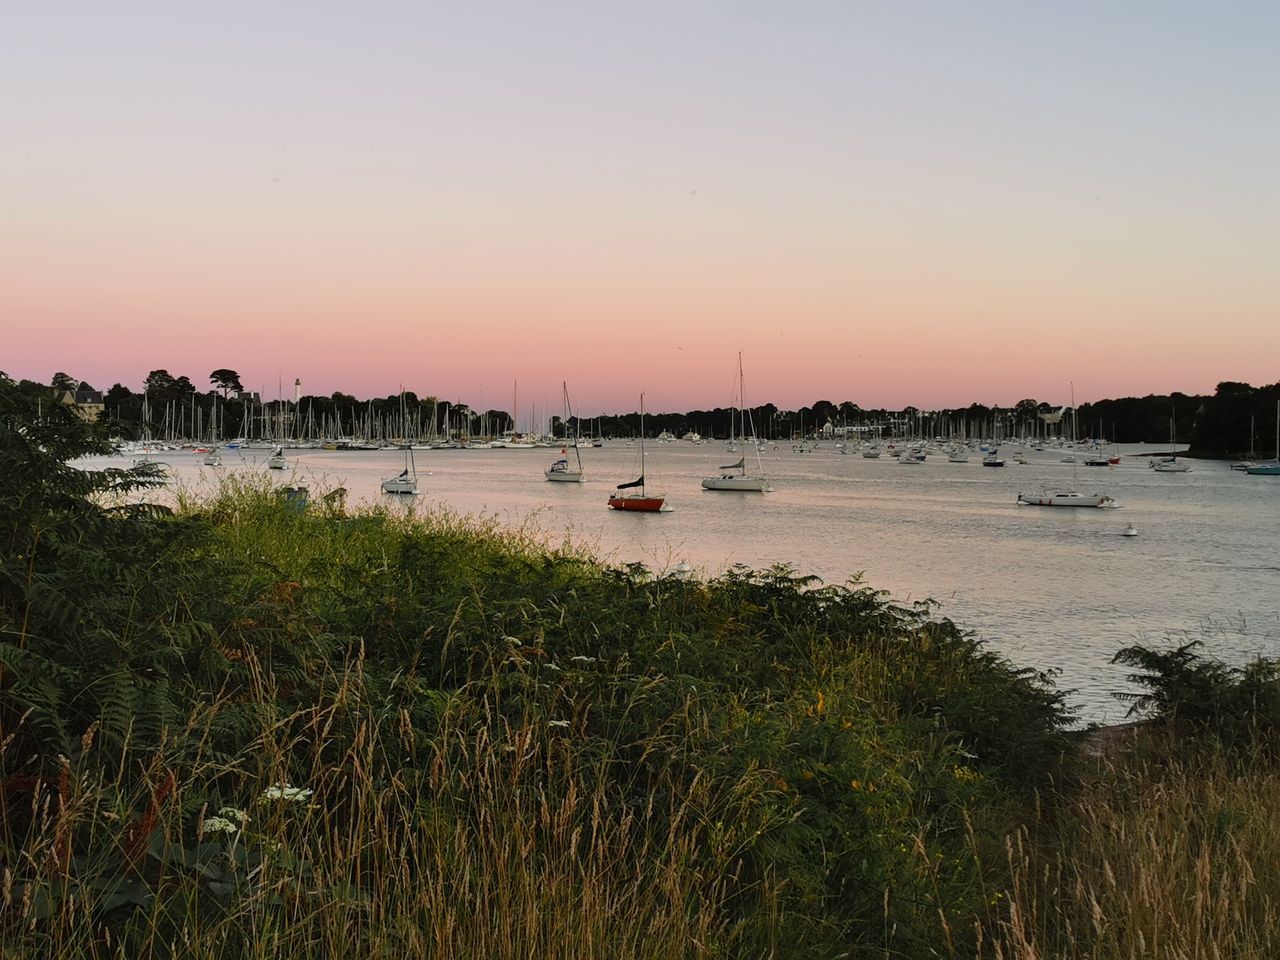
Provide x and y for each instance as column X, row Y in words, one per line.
column 734, row 475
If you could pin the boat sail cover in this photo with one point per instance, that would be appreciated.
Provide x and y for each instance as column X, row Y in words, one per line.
column 735, row 466
column 633, row 483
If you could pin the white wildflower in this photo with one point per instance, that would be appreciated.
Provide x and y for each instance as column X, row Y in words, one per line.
column 581, row 659
column 552, row 666
column 235, row 814
column 219, row 825
column 285, row 792
column 557, row 723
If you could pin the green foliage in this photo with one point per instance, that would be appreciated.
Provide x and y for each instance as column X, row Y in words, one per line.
column 1238, row 707
column 753, row 763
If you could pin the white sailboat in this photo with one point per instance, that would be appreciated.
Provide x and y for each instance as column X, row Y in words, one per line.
column 1072, row 497
column 1171, row 463
column 562, row 471
column 1271, row 469
column 147, row 461
column 277, row 460
column 212, row 458
column 406, row 482
column 734, row 476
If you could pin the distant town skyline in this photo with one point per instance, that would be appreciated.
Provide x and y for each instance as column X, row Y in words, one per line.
column 926, row 204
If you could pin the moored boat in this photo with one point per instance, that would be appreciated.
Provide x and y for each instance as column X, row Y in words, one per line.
column 1072, row 497
column 562, row 471
column 1067, row 499
column 636, row 499
column 406, row 483
column 733, row 476
column 1271, row 469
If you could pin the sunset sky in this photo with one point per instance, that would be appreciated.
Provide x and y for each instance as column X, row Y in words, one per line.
column 901, row 202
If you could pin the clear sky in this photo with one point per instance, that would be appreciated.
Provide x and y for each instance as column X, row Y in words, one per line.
column 900, row 202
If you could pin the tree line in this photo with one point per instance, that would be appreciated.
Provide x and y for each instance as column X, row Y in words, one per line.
column 1234, row 420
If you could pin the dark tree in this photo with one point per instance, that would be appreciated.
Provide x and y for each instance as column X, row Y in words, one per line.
column 61, row 381
column 225, row 380
column 118, row 394
column 159, row 383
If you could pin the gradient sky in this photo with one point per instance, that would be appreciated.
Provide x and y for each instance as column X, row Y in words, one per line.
column 929, row 203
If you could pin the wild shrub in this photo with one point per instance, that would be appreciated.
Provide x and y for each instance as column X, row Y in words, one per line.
column 509, row 749
column 1238, row 708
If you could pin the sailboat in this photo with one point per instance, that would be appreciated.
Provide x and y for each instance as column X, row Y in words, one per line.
column 1171, row 463
column 146, row 461
column 212, row 458
column 1072, row 497
column 734, row 475
column 1271, row 469
column 1244, row 465
column 406, row 482
column 636, row 498
column 561, row 471
column 277, row 460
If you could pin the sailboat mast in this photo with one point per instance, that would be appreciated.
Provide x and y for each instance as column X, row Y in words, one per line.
column 642, row 463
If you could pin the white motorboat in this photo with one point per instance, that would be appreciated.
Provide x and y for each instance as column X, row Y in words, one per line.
column 871, row 453
column 1067, row 499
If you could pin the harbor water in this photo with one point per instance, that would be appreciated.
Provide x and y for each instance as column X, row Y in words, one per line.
column 1059, row 590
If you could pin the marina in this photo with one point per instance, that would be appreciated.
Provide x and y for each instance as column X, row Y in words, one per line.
column 1185, row 556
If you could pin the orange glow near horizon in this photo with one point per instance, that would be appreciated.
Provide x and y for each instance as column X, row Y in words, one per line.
column 871, row 205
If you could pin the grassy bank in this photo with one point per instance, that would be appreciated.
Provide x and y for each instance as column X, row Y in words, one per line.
column 246, row 730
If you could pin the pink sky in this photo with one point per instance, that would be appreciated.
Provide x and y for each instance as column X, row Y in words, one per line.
column 931, row 208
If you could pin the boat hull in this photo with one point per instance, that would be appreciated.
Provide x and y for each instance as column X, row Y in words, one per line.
column 1263, row 470
column 742, row 484
column 399, row 487
column 640, row 504
column 564, row 476
column 1066, row 500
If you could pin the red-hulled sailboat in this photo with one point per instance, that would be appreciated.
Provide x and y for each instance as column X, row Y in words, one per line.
column 636, row 498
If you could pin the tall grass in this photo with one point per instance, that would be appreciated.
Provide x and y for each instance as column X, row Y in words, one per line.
column 1154, row 860
column 253, row 730
column 511, row 750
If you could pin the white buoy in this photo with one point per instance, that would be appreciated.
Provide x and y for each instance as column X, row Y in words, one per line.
column 1130, row 531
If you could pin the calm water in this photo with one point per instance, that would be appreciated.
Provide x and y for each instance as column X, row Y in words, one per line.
column 1056, row 589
